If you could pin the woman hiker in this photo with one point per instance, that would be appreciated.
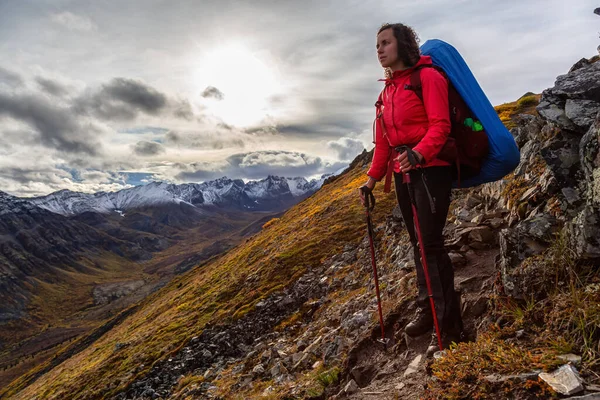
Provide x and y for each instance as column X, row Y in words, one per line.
column 423, row 126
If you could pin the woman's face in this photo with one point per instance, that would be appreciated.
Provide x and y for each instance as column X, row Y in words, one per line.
column 387, row 50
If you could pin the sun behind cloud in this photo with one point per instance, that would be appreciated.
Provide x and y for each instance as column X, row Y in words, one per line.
column 240, row 83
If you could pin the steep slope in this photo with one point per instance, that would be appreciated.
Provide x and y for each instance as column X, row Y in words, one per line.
column 37, row 247
column 62, row 275
column 39, row 243
column 224, row 290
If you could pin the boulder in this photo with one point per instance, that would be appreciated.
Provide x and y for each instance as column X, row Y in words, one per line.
column 552, row 108
column 528, row 238
column 528, row 128
column 582, row 83
column 584, row 229
column 530, row 150
column 584, row 234
column 561, row 154
column 565, row 380
column 582, row 112
column 571, row 103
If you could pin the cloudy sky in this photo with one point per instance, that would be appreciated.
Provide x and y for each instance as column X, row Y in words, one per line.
column 102, row 95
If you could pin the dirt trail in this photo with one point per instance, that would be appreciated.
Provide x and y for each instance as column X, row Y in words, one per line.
column 400, row 371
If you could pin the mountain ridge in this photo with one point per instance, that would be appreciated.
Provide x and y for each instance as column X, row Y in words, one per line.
column 266, row 194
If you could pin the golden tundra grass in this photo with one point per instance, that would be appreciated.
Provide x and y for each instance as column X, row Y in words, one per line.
column 566, row 320
column 302, row 238
column 525, row 105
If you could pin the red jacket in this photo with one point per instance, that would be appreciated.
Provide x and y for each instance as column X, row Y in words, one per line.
column 410, row 121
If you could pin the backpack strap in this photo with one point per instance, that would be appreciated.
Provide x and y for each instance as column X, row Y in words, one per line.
column 417, row 87
column 415, row 82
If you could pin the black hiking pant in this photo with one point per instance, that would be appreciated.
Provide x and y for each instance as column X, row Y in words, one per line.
column 441, row 272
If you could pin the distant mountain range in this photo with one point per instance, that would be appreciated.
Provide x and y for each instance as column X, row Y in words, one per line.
column 60, row 248
column 270, row 194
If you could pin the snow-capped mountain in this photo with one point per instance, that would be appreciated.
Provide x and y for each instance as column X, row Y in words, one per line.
column 272, row 193
column 13, row 204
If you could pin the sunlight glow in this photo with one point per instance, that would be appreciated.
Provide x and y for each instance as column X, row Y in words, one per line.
column 246, row 81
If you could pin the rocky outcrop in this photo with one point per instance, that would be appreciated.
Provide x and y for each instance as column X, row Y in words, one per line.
column 555, row 190
column 574, row 101
column 585, row 227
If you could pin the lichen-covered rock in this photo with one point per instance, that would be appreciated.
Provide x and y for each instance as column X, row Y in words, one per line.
column 589, row 153
column 574, row 100
column 528, row 238
column 529, row 151
column 552, row 108
column 561, row 153
column 528, row 127
column 583, row 83
column 582, row 112
column 584, row 234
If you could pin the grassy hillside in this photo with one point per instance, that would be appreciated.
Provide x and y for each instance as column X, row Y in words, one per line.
column 524, row 105
column 62, row 305
column 224, row 289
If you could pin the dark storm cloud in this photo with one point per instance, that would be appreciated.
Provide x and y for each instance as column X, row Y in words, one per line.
column 51, row 87
column 215, row 141
column 144, row 148
column 262, row 130
column 306, row 128
column 346, row 148
column 123, row 99
column 213, row 93
column 57, row 127
column 135, row 94
column 10, row 78
column 24, row 175
column 144, row 129
column 257, row 165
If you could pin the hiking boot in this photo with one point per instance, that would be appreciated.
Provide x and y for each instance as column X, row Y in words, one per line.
column 422, row 323
column 447, row 339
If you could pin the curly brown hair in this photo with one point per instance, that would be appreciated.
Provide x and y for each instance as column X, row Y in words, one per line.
column 408, row 42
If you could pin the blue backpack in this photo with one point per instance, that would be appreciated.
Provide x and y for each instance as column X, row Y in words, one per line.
column 502, row 153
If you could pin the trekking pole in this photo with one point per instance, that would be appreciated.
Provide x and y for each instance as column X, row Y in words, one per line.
column 411, row 194
column 369, row 206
